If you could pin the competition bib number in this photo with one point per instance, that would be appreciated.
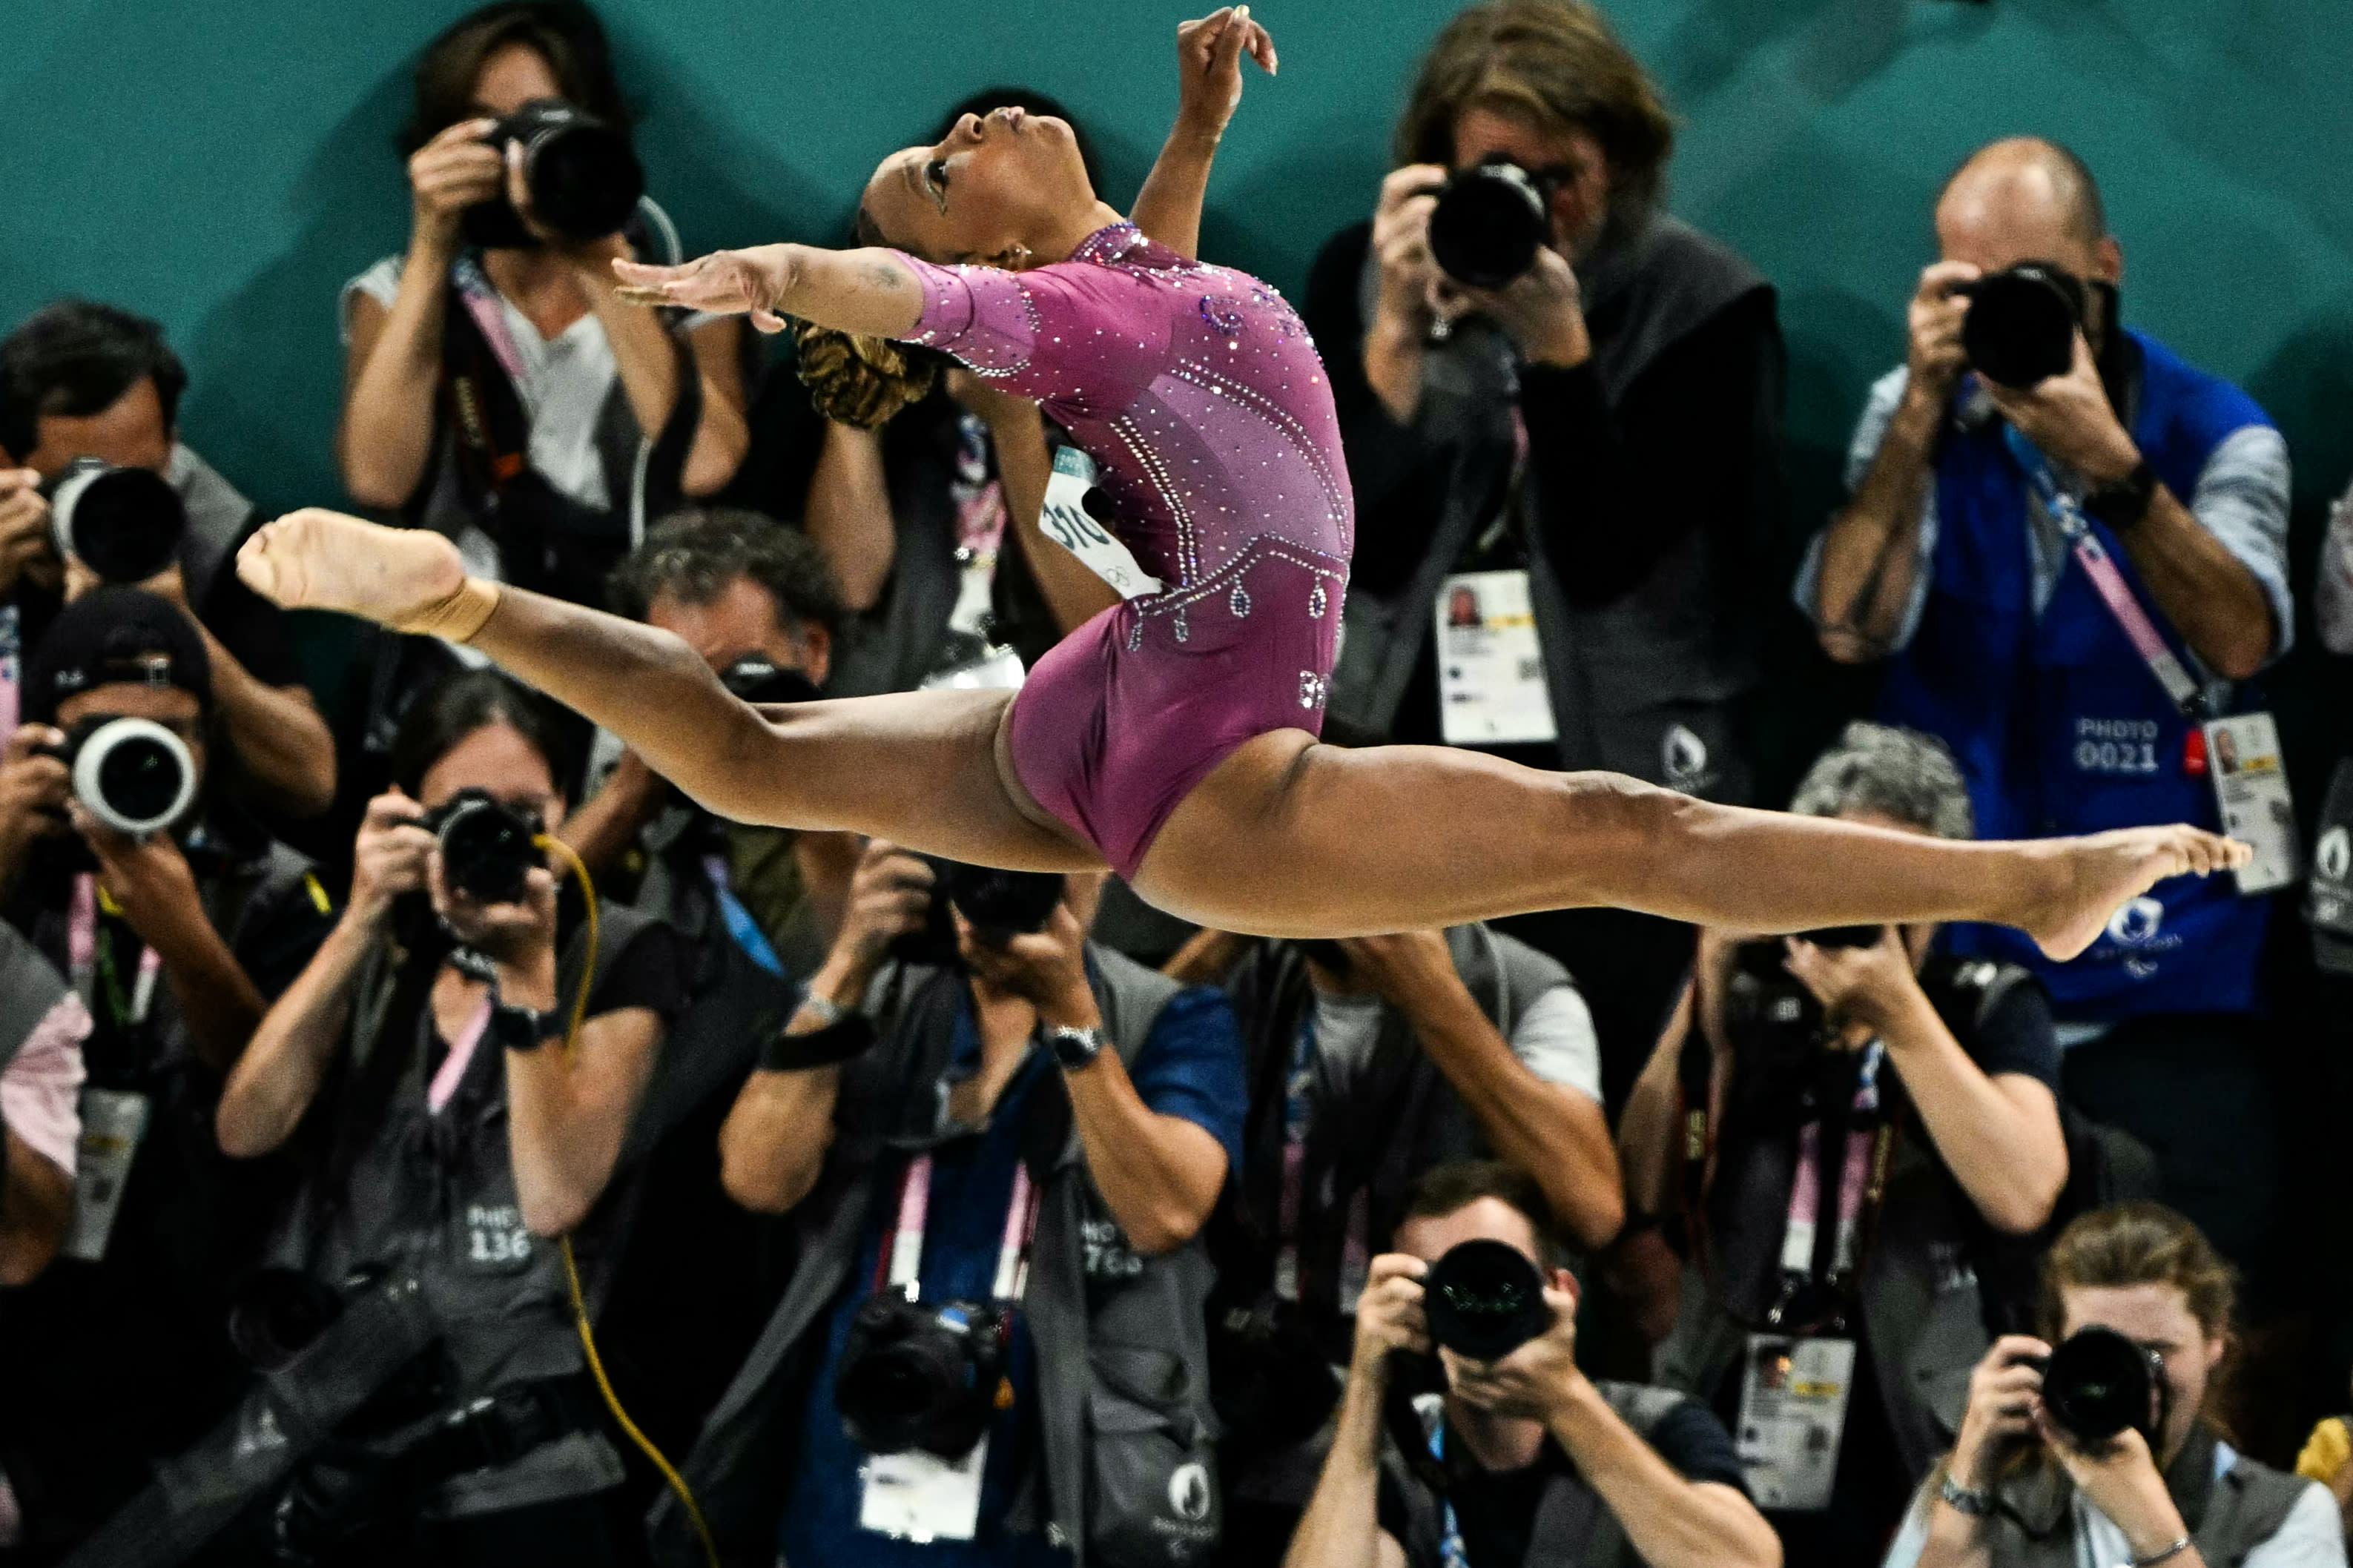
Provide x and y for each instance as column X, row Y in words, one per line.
column 492, row 1239
column 1066, row 521
column 2242, row 755
column 1491, row 680
column 1792, row 1417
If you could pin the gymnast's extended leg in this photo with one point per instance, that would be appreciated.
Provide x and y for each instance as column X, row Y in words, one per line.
column 1291, row 838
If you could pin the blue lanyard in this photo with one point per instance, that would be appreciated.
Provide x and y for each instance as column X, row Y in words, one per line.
column 740, row 924
column 1451, row 1551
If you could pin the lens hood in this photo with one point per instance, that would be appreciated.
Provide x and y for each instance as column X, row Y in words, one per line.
column 125, row 524
column 132, row 774
column 1485, row 1300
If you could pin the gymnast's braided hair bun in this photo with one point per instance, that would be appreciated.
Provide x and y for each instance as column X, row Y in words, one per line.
column 861, row 381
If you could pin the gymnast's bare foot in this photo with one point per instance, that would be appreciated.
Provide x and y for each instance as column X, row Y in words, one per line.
column 2097, row 874
column 319, row 560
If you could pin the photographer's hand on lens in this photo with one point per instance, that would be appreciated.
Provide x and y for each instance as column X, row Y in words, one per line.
column 389, row 858
column 149, row 879
column 1934, row 357
column 1542, row 311
column 889, row 894
column 1210, row 61
column 2069, row 418
column 1402, row 241
column 1389, row 1314
column 519, row 937
column 1874, row 986
column 25, row 552
column 2120, row 1478
column 2005, row 1391
column 455, row 171
column 1532, row 1380
column 1046, row 968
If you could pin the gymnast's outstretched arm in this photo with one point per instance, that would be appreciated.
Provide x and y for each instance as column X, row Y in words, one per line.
column 1210, row 86
column 871, row 291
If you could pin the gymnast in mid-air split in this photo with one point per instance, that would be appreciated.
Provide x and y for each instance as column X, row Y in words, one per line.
column 1174, row 736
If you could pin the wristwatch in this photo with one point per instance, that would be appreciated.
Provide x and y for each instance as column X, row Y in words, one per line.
column 1964, row 1499
column 522, row 1028
column 1074, row 1049
column 2122, row 503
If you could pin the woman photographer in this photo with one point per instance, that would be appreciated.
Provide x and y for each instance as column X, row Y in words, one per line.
column 455, row 1126
column 584, row 418
column 1601, row 430
column 2019, row 1489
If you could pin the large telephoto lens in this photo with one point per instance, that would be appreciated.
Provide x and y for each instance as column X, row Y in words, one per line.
column 1485, row 1300
column 2097, row 1383
column 125, row 524
column 1488, row 225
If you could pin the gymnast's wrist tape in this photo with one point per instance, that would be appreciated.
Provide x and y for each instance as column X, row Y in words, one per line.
column 846, row 1037
column 456, row 616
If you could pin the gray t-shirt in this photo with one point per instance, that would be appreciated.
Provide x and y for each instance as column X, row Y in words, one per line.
column 1553, row 1038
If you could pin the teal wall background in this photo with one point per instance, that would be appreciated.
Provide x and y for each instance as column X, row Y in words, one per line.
column 224, row 167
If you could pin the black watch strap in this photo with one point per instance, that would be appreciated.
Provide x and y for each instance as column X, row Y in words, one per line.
column 524, row 1028
column 846, row 1037
column 2122, row 503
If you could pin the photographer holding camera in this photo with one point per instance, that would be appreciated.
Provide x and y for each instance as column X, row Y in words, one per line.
column 1371, row 1062
column 96, row 487
column 2091, row 1444
column 174, row 921
column 429, row 1048
column 590, row 417
column 1846, row 1125
column 1506, row 1454
column 997, row 1142
column 2068, row 544
column 1561, row 408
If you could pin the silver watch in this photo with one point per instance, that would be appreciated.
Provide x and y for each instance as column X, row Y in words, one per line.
column 1074, row 1049
column 1964, row 1499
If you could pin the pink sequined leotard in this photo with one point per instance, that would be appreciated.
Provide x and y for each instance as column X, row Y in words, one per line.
column 1201, row 400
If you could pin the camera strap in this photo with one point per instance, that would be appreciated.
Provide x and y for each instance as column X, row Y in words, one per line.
column 740, row 924
column 902, row 1261
column 1355, row 1253
column 452, row 1070
column 1808, row 1253
column 2181, row 688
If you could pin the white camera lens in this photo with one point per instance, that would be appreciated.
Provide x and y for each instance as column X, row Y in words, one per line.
column 135, row 775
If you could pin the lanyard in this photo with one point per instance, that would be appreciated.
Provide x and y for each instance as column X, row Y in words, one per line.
column 980, row 527
column 2181, row 688
column 1290, row 1216
column 12, row 667
column 740, row 924
column 1861, row 1183
column 461, row 1051
column 1451, row 1550
column 87, row 965
column 904, row 1260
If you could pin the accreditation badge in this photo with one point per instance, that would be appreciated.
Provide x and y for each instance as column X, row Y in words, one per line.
column 112, row 1123
column 1066, row 521
column 1793, row 1396
column 1491, row 677
column 917, row 1496
column 2243, row 756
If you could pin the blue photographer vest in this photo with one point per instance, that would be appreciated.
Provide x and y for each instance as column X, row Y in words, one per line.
column 2058, row 725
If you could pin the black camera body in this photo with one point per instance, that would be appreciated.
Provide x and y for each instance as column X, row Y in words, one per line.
column 125, row 525
column 2097, row 1382
column 1001, row 905
column 584, row 178
column 1485, row 1300
column 132, row 774
column 2020, row 327
column 921, row 1375
column 1490, row 221
column 487, row 850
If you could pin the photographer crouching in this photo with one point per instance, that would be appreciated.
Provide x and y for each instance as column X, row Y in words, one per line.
column 993, row 1350
column 176, row 920
column 2092, row 1444
column 1469, row 1436
column 1856, row 1133
column 457, row 1132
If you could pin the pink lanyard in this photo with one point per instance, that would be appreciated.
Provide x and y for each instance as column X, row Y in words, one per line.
column 81, row 955
column 2181, row 687
column 461, row 1051
column 1806, row 1185
column 904, row 1261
